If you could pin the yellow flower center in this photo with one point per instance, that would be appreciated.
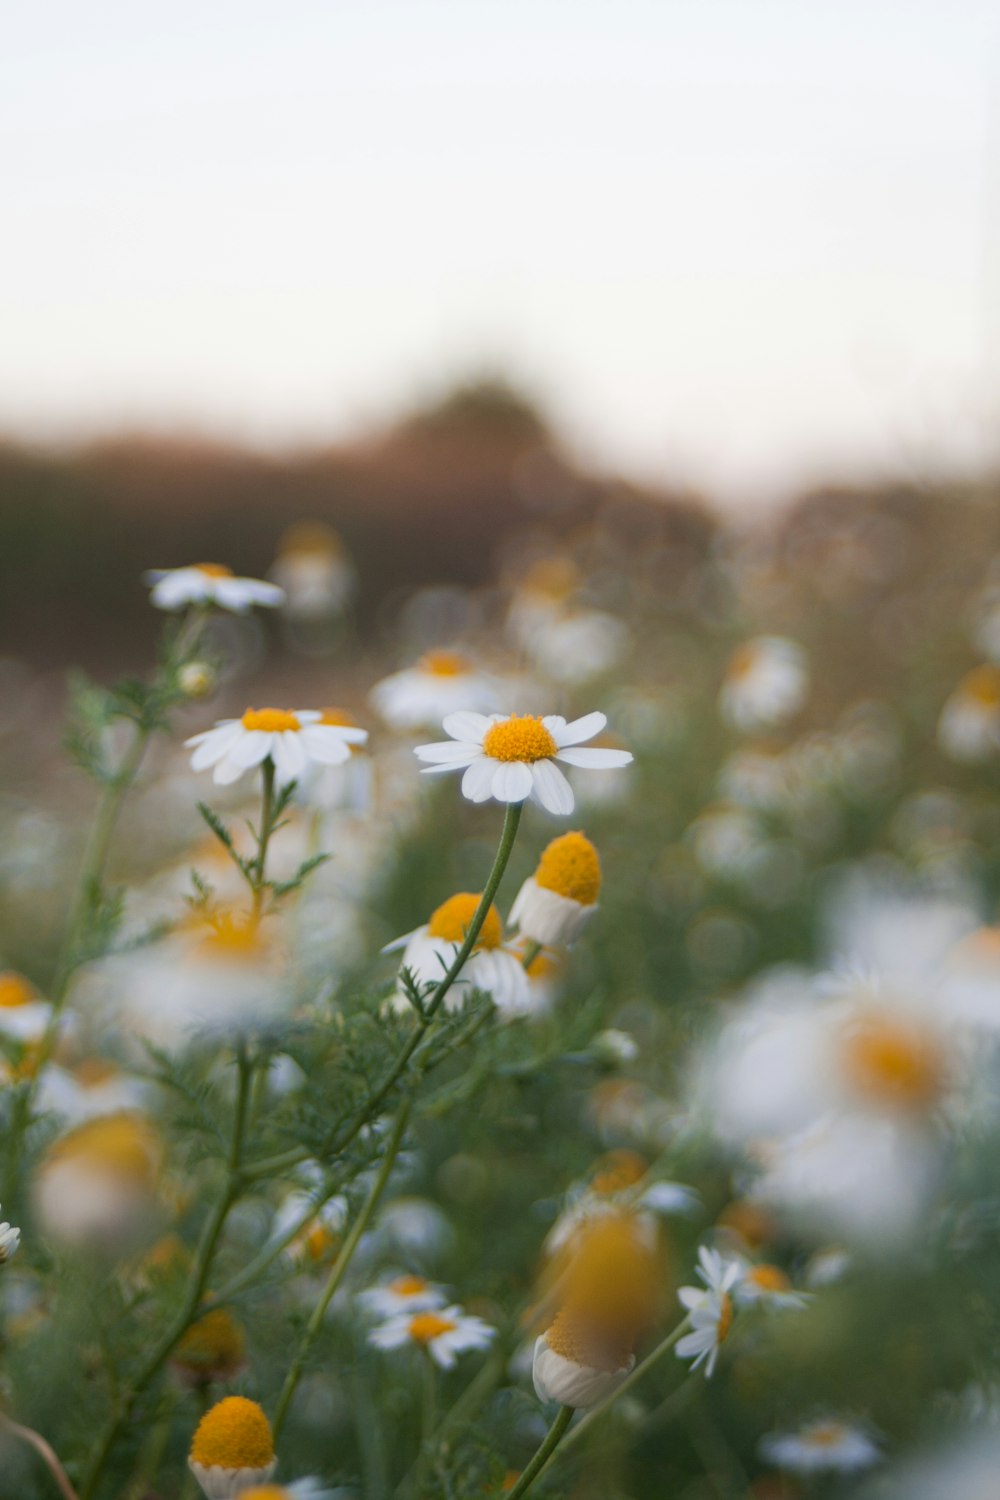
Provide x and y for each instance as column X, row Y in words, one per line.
column 825, row 1435
column 552, row 577
column 266, row 1492
column 340, row 718
column 574, row 1339
column 313, row 537
column 983, row 685
column 893, row 1062
column 571, row 867
column 544, row 966
column 443, row 664
column 408, row 1286
column 93, row 1072
column 318, row 1240
column 521, row 737
column 270, row 720
column 618, row 1170
column 214, row 1346
column 15, row 990
column 742, row 662
column 124, row 1144
column 231, row 935
column 725, row 1322
column 610, row 1278
column 453, row 918
column 235, row 1434
column 214, row 570
column 426, row 1327
column 768, row 1279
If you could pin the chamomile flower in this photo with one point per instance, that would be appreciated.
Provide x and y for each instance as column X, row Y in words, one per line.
column 444, row 1332
column 576, row 1368
column 429, row 951
column 209, row 583
column 709, row 1308
column 213, row 1349
column 92, row 1087
column 24, row 1015
column 320, row 1230
column 969, row 727
column 233, row 1449
column 765, row 683
column 97, row 1183
column 555, row 904
column 404, row 1294
column 825, row 1445
column 440, row 683
column 10, row 1238
column 293, row 740
column 513, row 758
column 764, row 1285
column 313, row 571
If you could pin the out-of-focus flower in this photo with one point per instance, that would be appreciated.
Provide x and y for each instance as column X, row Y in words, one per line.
column 764, row 1285
column 209, row 583
column 541, row 596
column 96, row 1185
column 514, row 758
column 555, row 904
column 969, row 726
column 429, row 951
column 196, row 679
column 212, row 1349
column 232, row 1450
column 574, row 1368
column 10, row 1238
column 439, row 684
column 24, row 1015
column 92, row 1087
column 320, row 1230
column 825, row 1445
column 615, row 1048
column 293, row 740
column 314, row 571
column 444, row 1332
column 345, row 786
column 765, row 683
column 579, row 645
column 404, row 1294
column 710, row 1309
column 301, row 1489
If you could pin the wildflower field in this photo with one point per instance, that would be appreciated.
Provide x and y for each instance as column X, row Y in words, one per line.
column 544, row 1040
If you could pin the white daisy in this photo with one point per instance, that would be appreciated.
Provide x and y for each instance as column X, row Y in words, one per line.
column 293, row 740
column 445, row 1333
column 513, row 758
column 429, row 951
column 209, row 583
column 404, row 1294
column 710, row 1309
column 562, row 1370
column 764, row 1285
column 313, row 571
column 765, row 683
column 440, row 683
column 821, row 1445
column 969, row 727
column 10, row 1238
column 24, row 1015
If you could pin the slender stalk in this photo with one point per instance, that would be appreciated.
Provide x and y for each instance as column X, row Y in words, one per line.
column 45, row 1452
column 195, row 1292
column 531, row 952
column 548, row 1446
column 339, row 1269
column 641, row 1369
column 258, row 885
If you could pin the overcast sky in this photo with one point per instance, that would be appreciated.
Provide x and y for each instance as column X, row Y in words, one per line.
column 745, row 243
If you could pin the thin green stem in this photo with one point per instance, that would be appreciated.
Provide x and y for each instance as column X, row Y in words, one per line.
column 339, row 1269
column 548, row 1446
column 531, row 952
column 258, row 884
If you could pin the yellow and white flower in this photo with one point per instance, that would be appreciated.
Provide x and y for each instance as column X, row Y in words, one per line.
column 313, row 571
column 429, row 952
column 765, row 1285
column 91, row 1088
column 404, row 1294
column 293, row 740
column 444, row 1332
column 440, row 683
column 825, row 1445
column 212, row 1350
column 10, row 1238
column 577, row 1369
column 765, row 683
column 969, row 726
column 97, row 1184
column 555, row 904
column 320, row 1233
column 24, row 1015
column 209, row 583
column 709, row 1308
column 513, row 758
column 232, row 1450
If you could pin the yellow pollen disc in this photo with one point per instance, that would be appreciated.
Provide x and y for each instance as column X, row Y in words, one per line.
column 443, row 664
column 611, row 1278
column 232, row 935
column 553, row 577
column 214, row 570
column 768, row 1279
column 826, row 1435
column 521, row 737
column 574, row 1339
column 94, row 1071
column 15, row 990
column 742, row 662
column 167, row 1256
column 428, row 1326
column 983, row 685
column 571, row 867
column 544, row 966
column 618, row 1170
column 751, row 1222
column 340, row 718
column 318, row 1241
column 124, row 1144
column 408, row 1286
column 453, row 918
column 893, row 1062
column 270, row 720
column 725, row 1322
column 235, row 1434
column 266, row 1492
column 215, row 1346
column 314, row 537
column 509, row 1480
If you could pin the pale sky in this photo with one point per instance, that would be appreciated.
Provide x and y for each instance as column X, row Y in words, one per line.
column 740, row 243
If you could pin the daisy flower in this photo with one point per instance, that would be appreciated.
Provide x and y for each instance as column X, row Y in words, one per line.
column 96, row 1185
column 212, row 1350
column 10, row 1238
column 445, row 1333
column 24, row 1015
column 293, row 740
column 209, row 583
column 969, row 727
column 233, row 1449
column 440, row 683
column 92, row 1087
column 429, row 951
column 574, row 1369
column 513, row 757
column 823, row 1445
column 404, row 1294
column 764, row 1285
column 313, row 571
column 556, row 903
column 765, row 683
column 710, row 1309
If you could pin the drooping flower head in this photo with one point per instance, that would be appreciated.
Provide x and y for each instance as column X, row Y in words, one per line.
column 232, row 1449
column 209, row 583
column 429, row 951
column 555, row 904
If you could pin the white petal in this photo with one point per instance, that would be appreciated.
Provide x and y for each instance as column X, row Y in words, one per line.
column 289, row 756
column 595, row 758
column 326, row 744
column 512, row 781
column 468, row 726
column 554, row 723
column 580, row 729
column 551, row 788
column 447, row 752
column 227, row 771
column 478, row 779
column 251, row 748
column 215, row 746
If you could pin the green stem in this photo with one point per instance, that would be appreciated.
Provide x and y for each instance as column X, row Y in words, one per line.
column 195, row 1291
column 549, row 1444
column 597, row 1412
column 531, row 952
column 339, row 1269
column 257, row 882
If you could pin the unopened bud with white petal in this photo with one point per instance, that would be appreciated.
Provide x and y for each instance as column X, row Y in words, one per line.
column 555, row 904
column 574, row 1369
column 196, row 679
